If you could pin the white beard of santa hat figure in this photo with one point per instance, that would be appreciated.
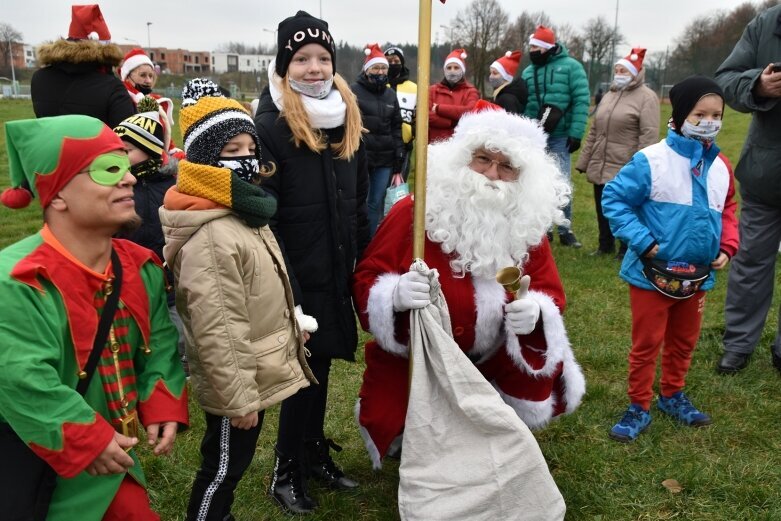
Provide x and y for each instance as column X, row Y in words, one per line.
column 492, row 224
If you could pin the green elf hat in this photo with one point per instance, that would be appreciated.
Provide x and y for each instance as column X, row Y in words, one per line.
column 45, row 154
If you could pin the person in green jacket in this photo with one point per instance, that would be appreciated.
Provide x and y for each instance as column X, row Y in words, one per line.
column 751, row 80
column 558, row 94
column 54, row 285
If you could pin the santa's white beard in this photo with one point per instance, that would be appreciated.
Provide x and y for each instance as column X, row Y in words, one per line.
column 488, row 225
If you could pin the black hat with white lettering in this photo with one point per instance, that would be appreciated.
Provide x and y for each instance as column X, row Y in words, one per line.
column 145, row 130
column 299, row 30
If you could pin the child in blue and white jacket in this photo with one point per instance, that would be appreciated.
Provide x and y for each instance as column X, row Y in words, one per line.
column 674, row 200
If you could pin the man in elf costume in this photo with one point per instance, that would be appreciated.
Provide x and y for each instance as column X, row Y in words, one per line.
column 491, row 194
column 54, row 286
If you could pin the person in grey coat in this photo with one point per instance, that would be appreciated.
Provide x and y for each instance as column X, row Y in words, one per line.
column 752, row 83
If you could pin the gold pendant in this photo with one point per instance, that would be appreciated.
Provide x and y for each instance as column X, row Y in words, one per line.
column 129, row 425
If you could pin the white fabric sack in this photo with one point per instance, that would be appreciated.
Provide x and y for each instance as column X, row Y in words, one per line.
column 466, row 455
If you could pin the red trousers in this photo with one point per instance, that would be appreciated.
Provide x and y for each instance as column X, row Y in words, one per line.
column 661, row 323
column 131, row 503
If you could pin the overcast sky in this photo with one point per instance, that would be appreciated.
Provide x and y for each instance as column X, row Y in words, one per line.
column 202, row 25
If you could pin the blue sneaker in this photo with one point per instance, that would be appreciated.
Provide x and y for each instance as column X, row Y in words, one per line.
column 679, row 407
column 635, row 420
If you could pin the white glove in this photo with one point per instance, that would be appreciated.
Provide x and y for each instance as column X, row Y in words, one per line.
column 521, row 315
column 412, row 292
column 306, row 323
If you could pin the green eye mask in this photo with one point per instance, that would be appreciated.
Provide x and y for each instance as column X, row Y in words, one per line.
column 108, row 169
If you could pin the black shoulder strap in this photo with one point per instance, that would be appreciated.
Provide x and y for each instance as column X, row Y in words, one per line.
column 106, row 318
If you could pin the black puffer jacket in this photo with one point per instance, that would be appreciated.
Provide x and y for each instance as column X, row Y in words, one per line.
column 513, row 96
column 321, row 226
column 76, row 78
column 148, row 194
column 382, row 118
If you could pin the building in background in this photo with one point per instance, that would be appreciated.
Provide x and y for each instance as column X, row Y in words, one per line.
column 24, row 55
column 222, row 62
column 177, row 61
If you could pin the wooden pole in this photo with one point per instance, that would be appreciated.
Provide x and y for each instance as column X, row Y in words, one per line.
column 421, row 129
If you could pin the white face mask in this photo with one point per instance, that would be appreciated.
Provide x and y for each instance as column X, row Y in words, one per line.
column 621, row 80
column 704, row 130
column 454, row 77
column 317, row 89
column 496, row 81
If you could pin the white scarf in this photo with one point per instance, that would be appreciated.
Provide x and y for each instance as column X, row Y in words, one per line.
column 328, row 112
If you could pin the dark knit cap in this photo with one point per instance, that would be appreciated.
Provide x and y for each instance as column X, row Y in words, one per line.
column 299, row 30
column 208, row 120
column 395, row 51
column 145, row 130
column 686, row 93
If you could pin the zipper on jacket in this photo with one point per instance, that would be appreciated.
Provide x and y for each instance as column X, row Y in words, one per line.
column 607, row 128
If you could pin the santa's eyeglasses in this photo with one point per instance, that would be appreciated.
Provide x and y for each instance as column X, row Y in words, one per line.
column 505, row 169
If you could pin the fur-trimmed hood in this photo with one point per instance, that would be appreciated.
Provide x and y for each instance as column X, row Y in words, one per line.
column 79, row 51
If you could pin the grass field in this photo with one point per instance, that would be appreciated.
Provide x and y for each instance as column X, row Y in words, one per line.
column 728, row 471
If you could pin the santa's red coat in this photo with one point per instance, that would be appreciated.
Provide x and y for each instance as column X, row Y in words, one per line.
column 536, row 374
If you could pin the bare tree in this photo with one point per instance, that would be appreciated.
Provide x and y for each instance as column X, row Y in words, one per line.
column 517, row 34
column 575, row 42
column 708, row 39
column 600, row 40
column 8, row 35
column 481, row 26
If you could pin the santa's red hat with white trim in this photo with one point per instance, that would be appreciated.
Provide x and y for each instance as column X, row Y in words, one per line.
column 457, row 56
column 543, row 37
column 634, row 60
column 87, row 23
column 134, row 59
column 374, row 55
column 507, row 65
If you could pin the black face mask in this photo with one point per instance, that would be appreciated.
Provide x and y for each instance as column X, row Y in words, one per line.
column 143, row 90
column 147, row 168
column 538, row 57
column 246, row 167
column 378, row 80
column 394, row 70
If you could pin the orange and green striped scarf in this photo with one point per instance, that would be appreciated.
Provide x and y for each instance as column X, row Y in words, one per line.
column 224, row 187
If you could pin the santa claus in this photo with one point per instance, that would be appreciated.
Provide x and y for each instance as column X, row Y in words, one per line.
column 492, row 194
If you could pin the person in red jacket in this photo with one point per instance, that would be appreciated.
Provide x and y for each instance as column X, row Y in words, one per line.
column 449, row 99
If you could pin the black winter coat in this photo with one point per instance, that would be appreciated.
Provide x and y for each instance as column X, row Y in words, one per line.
column 321, row 225
column 80, row 88
column 513, row 96
column 382, row 118
column 148, row 195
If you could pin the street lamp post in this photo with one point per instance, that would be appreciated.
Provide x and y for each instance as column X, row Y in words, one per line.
column 148, row 37
column 13, row 73
column 274, row 32
column 615, row 35
column 447, row 28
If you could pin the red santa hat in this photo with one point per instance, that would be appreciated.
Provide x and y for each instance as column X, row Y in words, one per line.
column 634, row 60
column 87, row 23
column 543, row 37
column 457, row 56
column 134, row 59
column 483, row 105
column 507, row 65
column 374, row 55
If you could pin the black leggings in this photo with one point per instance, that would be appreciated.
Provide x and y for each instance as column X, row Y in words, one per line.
column 226, row 452
column 302, row 416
